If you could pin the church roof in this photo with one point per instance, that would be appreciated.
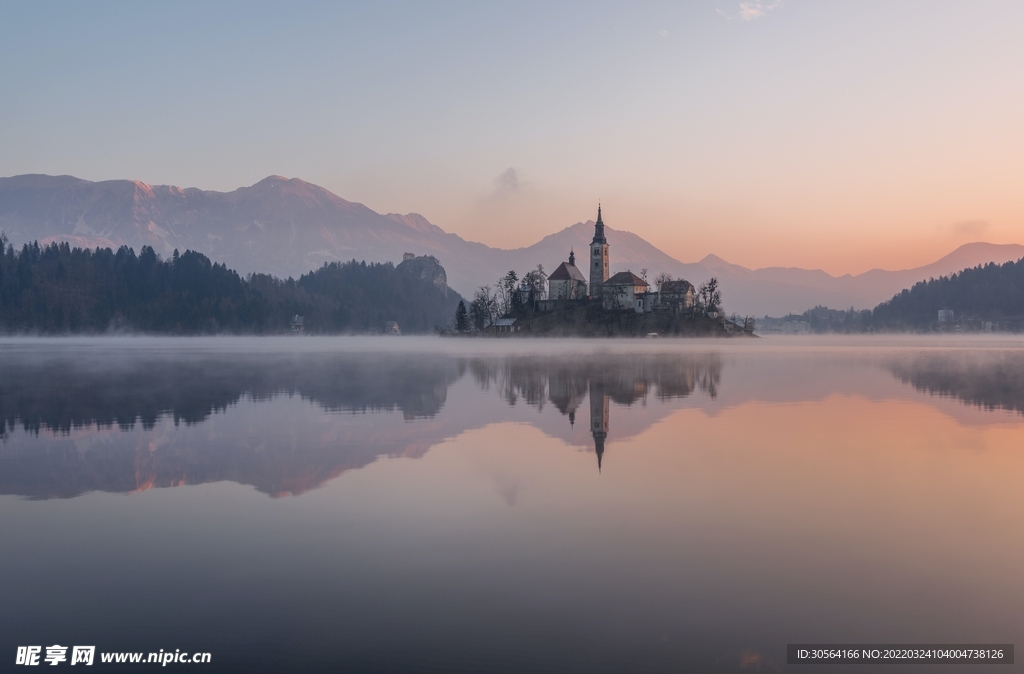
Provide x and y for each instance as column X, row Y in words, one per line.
column 567, row 272
column 626, row 278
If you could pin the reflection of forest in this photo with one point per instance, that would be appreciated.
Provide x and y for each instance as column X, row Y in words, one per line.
column 279, row 454
column 991, row 381
column 59, row 395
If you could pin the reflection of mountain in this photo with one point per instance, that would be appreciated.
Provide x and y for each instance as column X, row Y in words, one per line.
column 257, row 445
column 991, row 381
column 286, row 447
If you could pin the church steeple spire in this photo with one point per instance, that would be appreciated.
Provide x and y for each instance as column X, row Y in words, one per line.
column 572, row 257
column 598, row 264
column 599, row 227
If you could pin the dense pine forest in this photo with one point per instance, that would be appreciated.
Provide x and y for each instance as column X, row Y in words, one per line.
column 993, row 292
column 983, row 298
column 57, row 289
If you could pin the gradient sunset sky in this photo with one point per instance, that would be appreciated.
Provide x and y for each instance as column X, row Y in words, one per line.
column 833, row 135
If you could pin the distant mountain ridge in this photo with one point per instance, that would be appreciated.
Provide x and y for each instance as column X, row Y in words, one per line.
column 288, row 226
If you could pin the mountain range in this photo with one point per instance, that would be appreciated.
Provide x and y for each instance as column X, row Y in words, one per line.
column 288, row 226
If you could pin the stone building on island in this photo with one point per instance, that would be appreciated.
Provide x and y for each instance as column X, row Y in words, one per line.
column 676, row 296
column 567, row 282
column 625, row 290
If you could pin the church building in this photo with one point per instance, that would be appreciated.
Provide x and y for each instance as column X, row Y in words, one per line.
column 567, row 282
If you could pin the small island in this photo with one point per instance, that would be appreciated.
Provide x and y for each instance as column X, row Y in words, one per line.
column 564, row 304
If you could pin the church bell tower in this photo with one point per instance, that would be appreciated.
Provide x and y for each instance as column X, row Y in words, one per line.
column 598, row 258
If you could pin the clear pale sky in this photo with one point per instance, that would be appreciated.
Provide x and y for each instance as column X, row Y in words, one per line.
column 834, row 135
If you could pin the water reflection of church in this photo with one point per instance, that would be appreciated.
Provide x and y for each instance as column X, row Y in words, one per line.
column 567, row 390
column 626, row 384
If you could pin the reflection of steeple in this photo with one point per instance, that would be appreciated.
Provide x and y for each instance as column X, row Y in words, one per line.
column 598, row 419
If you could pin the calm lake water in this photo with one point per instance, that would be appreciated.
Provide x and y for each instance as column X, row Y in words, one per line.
column 428, row 505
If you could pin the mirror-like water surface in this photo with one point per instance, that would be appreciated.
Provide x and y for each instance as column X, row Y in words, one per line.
column 429, row 505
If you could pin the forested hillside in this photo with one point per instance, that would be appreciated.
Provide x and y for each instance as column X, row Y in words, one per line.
column 992, row 292
column 986, row 297
column 58, row 289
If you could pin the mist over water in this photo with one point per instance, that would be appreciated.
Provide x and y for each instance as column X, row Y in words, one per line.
column 406, row 504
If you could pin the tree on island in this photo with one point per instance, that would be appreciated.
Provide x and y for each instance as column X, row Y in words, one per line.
column 661, row 279
column 483, row 309
column 534, row 283
column 506, row 291
column 709, row 297
column 461, row 318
